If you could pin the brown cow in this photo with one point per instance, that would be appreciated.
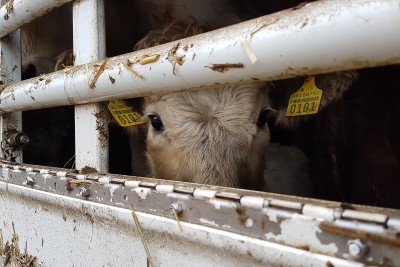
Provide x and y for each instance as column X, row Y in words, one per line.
column 353, row 144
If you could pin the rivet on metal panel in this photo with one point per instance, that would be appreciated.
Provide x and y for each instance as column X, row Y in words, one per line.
column 84, row 192
column 30, row 180
column 176, row 208
column 357, row 248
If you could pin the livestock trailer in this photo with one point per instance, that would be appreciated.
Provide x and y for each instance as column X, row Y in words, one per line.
column 51, row 216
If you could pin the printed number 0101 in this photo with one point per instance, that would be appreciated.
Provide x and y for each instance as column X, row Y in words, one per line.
column 127, row 119
column 302, row 108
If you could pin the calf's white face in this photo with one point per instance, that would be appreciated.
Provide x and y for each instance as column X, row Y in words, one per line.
column 212, row 136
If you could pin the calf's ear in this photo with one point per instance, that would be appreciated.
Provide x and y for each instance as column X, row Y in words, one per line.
column 333, row 85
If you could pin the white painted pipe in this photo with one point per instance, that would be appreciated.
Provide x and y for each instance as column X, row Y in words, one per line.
column 320, row 37
column 16, row 13
column 91, row 130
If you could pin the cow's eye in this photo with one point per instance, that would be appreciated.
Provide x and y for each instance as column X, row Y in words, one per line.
column 156, row 122
column 266, row 114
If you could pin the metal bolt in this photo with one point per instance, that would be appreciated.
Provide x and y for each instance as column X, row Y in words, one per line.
column 357, row 248
column 176, row 207
column 22, row 139
column 30, row 180
column 17, row 139
column 84, row 192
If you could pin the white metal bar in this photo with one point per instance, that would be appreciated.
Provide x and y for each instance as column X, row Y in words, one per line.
column 10, row 71
column 322, row 36
column 91, row 127
column 63, row 231
column 16, row 13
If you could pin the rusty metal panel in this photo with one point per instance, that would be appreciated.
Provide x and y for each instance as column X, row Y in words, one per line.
column 64, row 218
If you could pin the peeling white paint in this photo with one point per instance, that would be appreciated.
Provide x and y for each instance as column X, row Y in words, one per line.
column 4, row 173
column 301, row 231
column 205, row 221
column 142, row 192
column 249, row 222
column 276, row 215
column 218, row 203
column 112, row 189
column 47, row 176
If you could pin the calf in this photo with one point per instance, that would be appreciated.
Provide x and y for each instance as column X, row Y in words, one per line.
column 216, row 136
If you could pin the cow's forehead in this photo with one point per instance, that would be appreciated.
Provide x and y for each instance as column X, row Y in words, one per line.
column 228, row 101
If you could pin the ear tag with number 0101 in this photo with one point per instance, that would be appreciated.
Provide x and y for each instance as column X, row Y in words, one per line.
column 306, row 100
column 124, row 114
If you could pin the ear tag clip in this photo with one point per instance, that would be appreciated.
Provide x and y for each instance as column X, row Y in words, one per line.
column 124, row 114
column 306, row 100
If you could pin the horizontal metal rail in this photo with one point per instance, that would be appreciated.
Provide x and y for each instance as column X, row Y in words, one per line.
column 320, row 37
column 16, row 13
column 360, row 234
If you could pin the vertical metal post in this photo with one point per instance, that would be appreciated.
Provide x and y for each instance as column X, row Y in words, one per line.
column 10, row 71
column 91, row 127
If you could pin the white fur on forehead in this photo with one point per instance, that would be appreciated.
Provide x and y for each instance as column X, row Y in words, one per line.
column 208, row 134
column 233, row 110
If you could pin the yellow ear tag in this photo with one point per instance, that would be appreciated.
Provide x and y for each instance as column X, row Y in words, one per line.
column 306, row 100
column 124, row 114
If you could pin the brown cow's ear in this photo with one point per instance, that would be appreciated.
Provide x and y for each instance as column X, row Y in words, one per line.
column 333, row 86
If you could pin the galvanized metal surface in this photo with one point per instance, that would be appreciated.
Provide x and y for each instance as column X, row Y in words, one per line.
column 322, row 36
column 282, row 231
column 91, row 123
